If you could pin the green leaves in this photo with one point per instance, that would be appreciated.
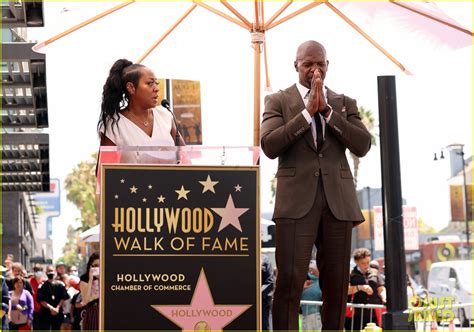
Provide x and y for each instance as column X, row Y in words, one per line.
column 80, row 185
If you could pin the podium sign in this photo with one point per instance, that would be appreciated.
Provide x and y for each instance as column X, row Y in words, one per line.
column 179, row 248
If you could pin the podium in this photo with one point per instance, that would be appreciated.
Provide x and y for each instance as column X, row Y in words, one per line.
column 179, row 243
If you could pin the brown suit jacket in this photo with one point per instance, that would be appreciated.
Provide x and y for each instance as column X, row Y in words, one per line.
column 286, row 134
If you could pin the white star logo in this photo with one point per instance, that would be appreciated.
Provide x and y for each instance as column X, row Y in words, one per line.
column 230, row 215
column 238, row 188
column 208, row 185
column 116, row 196
column 133, row 190
column 182, row 193
column 122, row 181
column 150, row 186
column 144, row 200
column 161, row 199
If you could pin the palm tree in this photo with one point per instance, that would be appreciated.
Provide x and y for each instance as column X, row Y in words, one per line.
column 369, row 122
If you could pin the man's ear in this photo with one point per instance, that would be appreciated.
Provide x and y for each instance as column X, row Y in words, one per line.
column 130, row 88
column 296, row 65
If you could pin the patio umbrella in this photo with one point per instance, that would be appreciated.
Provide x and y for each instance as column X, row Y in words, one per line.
column 422, row 18
column 91, row 235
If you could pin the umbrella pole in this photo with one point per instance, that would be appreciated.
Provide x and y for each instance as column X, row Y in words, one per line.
column 39, row 46
column 256, row 93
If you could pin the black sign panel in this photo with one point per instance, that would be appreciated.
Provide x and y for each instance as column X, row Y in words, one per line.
column 179, row 248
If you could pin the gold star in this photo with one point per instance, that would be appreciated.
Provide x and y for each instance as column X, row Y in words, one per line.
column 238, row 188
column 144, row 200
column 208, row 184
column 122, row 181
column 133, row 190
column 150, row 186
column 161, row 199
column 182, row 193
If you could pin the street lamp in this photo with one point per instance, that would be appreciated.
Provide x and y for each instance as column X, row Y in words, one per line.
column 440, row 157
column 458, row 150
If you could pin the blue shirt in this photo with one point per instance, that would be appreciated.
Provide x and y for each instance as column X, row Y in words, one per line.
column 312, row 293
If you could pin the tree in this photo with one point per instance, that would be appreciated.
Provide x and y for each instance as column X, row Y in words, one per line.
column 81, row 191
column 369, row 122
column 70, row 251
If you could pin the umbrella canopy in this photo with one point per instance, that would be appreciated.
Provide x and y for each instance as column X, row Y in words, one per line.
column 91, row 235
column 266, row 222
column 259, row 17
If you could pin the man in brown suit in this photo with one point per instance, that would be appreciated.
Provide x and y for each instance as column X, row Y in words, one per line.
column 309, row 127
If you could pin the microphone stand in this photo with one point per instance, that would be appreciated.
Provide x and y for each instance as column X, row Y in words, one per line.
column 177, row 143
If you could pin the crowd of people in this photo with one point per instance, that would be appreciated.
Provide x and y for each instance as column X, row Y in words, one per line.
column 50, row 298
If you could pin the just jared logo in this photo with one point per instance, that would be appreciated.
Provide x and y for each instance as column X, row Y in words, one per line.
column 434, row 309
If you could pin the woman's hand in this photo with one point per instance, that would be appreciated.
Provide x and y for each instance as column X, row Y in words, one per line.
column 91, row 274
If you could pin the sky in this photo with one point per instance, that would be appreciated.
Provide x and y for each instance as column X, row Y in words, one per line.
column 434, row 104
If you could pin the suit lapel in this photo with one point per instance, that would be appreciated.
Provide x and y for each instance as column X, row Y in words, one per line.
column 296, row 105
column 337, row 102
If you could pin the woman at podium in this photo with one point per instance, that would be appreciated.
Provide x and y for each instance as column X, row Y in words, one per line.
column 130, row 115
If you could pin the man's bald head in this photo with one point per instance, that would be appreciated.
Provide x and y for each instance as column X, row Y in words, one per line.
column 309, row 46
column 310, row 56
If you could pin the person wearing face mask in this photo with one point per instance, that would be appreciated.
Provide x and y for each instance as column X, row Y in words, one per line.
column 89, row 287
column 17, row 271
column 36, row 281
column 51, row 296
column 72, row 271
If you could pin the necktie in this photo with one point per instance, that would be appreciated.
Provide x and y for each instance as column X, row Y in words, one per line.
column 319, row 127
column 319, row 132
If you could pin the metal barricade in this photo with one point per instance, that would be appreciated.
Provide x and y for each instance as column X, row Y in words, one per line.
column 444, row 318
column 363, row 309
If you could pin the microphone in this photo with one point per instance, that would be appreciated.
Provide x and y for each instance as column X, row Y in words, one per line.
column 166, row 104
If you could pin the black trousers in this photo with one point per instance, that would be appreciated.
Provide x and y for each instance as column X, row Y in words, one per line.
column 49, row 322
column 36, row 321
column 266, row 309
column 294, row 244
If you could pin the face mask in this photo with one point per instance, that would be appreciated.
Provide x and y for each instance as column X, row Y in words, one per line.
column 95, row 271
column 38, row 274
column 74, row 273
column 50, row 275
